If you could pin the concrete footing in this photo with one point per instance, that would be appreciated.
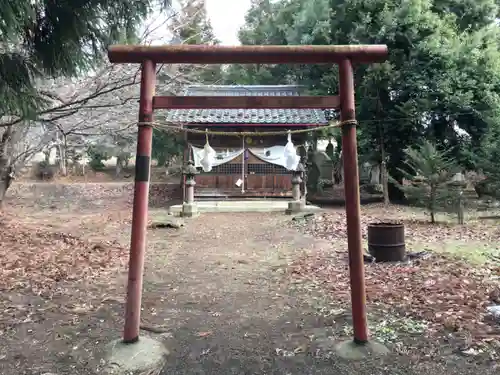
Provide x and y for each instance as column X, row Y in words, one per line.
column 353, row 351
column 146, row 356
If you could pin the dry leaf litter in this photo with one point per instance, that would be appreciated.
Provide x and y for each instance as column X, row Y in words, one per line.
column 444, row 291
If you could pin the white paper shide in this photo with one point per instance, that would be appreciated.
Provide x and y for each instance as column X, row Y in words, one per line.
column 291, row 158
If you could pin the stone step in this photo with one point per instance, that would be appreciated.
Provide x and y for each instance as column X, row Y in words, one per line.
column 262, row 205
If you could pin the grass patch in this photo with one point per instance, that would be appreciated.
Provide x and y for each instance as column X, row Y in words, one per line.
column 475, row 253
column 392, row 328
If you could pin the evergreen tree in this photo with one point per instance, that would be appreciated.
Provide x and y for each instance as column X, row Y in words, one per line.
column 428, row 172
column 167, row 146
column 190, row 26
column 487, row 162
column 442, row 73
column 58, row 38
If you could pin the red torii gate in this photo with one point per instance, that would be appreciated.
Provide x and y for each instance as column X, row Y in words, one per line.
column 148, row 56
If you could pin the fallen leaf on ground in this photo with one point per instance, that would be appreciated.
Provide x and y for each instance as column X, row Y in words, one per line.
column 204, row 334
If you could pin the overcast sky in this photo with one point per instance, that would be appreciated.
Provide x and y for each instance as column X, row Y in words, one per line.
column 227, row 16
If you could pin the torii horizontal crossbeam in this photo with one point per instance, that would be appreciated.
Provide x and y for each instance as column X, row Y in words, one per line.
column 245, row 102
column 204, row 54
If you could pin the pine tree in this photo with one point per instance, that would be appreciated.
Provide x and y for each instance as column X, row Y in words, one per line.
column 428, row 172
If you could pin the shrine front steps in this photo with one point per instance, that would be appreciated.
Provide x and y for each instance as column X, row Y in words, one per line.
column 263, row 205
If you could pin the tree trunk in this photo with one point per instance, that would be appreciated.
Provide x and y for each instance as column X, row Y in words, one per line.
column 119, row 166
column 396, row 195
column 385, row 182
column 46, row 154
column 5, row 160
column 63, row 162
column 3, row 190
column 63, row 168
column 432, row 203
column 383, row 164
column 5, row 182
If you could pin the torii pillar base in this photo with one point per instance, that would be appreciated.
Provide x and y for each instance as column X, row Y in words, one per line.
column 145, row 356
column 353, row 351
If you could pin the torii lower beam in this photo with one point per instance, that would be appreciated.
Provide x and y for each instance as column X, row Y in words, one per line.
column 148, row 56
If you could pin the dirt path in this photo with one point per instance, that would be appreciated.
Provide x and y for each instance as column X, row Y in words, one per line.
column 223, row 283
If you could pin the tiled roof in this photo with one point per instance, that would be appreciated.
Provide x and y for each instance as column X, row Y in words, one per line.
column 246, row 116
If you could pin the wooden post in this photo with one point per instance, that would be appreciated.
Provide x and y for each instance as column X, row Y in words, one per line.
column 140, row 206
column 352, row 201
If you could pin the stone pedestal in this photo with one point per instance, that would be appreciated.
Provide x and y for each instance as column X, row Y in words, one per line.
column 295, row 207
column 190, row 191
column 189, row 210
column 296, row 190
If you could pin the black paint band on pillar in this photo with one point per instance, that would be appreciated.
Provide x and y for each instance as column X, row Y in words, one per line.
column 348, row 125
column 142, row 163
column 144, row 118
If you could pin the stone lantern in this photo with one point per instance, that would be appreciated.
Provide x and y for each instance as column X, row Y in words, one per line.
column 189, row 207
column 458, row 184
column 296, row 204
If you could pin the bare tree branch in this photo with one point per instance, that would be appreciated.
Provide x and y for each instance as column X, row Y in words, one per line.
column 101, row 107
